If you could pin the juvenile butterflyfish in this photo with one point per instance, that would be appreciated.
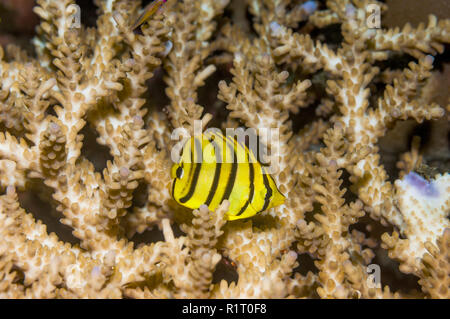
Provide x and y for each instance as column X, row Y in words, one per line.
column 213, row 168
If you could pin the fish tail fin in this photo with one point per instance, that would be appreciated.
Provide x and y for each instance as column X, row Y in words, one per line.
column 148, row 12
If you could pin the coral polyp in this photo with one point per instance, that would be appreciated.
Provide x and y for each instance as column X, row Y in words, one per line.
column 344, row 96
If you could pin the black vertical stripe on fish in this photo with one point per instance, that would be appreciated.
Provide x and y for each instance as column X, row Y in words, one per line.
column 191, row 170
column 231, row 177
column 173, row 188
column 252, row 190
column 197, row 169
column 268, row 193
column 215, row 182
column 198, row 150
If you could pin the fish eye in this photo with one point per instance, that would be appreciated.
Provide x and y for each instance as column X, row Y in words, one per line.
column 179, row 172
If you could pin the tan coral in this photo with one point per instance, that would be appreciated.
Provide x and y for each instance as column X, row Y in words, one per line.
column 329, row 103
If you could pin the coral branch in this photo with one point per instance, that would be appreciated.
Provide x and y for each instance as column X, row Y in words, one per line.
column 350, row 121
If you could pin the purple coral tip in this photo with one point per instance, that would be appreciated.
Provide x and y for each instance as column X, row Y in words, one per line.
column 96, row 271
column 429, row 59
column 421, row 184
column 138, row 120
column 54, row 127
column 124, row 172
column 10, row 190
column 275, row 28
column 309, row 6
column 293, row 255
column 301, row 223
column 350, row 11
column 333, row 163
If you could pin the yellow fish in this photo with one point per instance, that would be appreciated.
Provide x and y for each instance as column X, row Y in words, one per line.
column 149, row 10
column 213, row 168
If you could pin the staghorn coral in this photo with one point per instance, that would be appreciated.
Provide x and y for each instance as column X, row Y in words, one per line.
column 285, row 68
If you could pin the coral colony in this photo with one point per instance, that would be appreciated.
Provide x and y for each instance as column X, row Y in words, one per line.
column 283, row 63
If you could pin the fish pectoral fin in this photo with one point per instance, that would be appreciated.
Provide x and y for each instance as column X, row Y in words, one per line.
column 277, row 199
column 252, row 210
column 262, row 194
column 248, row 212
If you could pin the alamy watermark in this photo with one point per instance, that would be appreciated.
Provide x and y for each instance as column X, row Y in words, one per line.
column 374, row 278
column 373, row 20
column 75, row 16
column 371, row 15
column 212, row 152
